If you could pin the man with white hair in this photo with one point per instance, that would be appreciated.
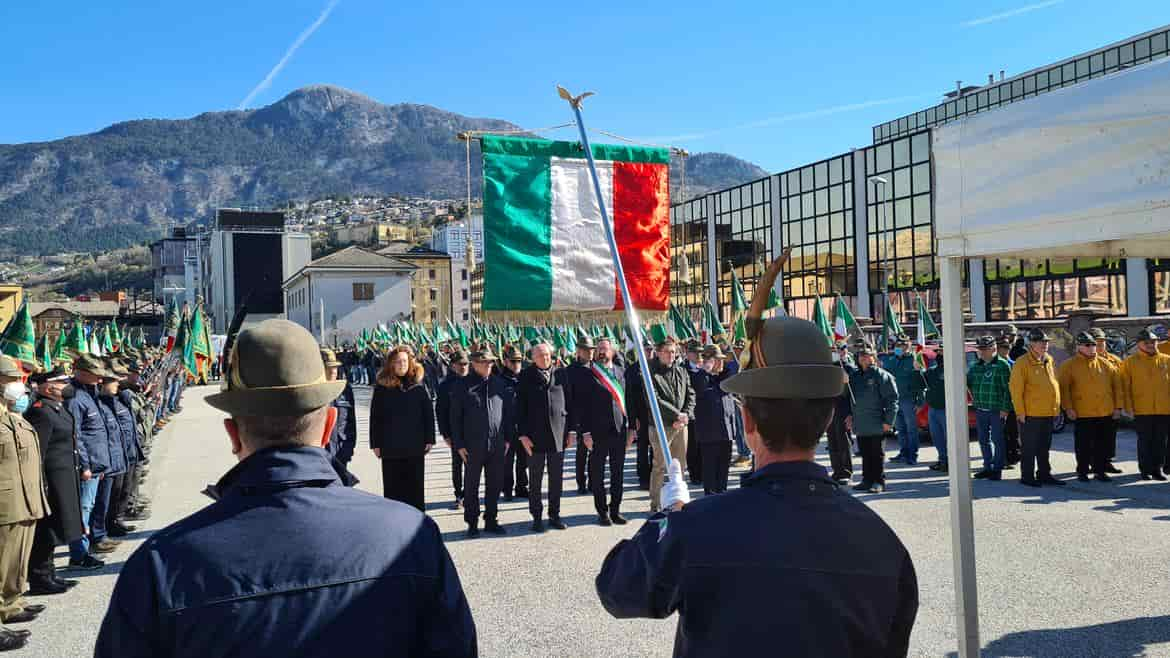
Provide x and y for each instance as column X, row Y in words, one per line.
column 544, row 423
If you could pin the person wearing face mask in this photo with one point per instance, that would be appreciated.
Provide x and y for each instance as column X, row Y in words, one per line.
column 58, row 444
column 1145, row 385
column 908, row 375
column 287, row 561
column 402, row 427
column 21, row 504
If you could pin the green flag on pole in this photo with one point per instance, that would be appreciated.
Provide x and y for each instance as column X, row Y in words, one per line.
column 843, row 321
column 926, row 323
column 712, row 321
column 45, row 354
column 890, row 326
column 738, row 298
column 76, row 340
column 773, row 300
column 821, row 320
column 19, row 339
column 740, row 334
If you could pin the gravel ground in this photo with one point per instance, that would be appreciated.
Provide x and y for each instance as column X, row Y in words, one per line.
column 1076, row 571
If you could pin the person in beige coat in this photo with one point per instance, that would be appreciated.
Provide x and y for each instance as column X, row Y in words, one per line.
column 22, row 497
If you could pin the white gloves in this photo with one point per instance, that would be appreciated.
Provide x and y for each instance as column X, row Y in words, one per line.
column 675, row 489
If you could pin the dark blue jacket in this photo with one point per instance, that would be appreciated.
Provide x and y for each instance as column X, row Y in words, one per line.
column 131, row 442
column 483, row 415
column 290, row 563
column 448, row 388
column 344, row 437
column 89, row 426
column 116, row 435
column 788, row 549
column 715, row 409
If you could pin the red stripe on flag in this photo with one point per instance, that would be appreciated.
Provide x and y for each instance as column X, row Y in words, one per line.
column 641, row 226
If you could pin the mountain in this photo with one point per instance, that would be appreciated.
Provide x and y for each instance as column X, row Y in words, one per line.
column 125, row 183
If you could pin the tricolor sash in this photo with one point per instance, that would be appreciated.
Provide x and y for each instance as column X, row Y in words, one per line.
column 610, row 383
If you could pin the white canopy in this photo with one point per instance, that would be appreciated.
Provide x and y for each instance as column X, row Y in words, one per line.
column 1082, row 171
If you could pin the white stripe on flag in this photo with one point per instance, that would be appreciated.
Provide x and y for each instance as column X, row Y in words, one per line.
column 582, row 269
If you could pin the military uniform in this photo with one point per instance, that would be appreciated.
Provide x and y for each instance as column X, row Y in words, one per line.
column 22, row 503
column 1146, row 387
column 1036, row 397
column 781, row 547
column 1090, row 387
column 63, row 523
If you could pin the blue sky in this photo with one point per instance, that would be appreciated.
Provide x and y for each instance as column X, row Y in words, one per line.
column 777, row 83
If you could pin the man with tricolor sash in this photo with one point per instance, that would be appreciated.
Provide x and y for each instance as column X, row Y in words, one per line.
column 606, row 433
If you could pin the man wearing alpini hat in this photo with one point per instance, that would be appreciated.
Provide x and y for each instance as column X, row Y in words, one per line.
column 829, row 602
column 259, row 567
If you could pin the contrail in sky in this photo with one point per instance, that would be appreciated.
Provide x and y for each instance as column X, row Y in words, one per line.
column 1010, row 14
column 785, row 118
column 304, row 36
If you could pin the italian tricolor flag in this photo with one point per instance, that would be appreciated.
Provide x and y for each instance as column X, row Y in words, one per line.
column 544, row 243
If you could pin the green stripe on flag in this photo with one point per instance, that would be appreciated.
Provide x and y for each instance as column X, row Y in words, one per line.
column 517, row 226
column 541, row 148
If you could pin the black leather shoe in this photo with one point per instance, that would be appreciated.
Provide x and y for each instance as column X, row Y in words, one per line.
column 11, row 641
column 617, row 518
column 35, row 608
column 1030, row 483
column 472, row 532
column 1082, row 477
column 47, row 588
column 1110, row 468
column 1102, row 477
column 89, row 563
column 1147, row 476
column 67, row 582
column 537, row 525
column 862, row 486
column 18, row 632
column 603, row 520
column 982, row 475
column 1159, row 476
column 1052, row 480
column 522, row 493
column 495, row 528
column 581, row 491
column 995, row 476
column 556, row 523
column 507, row 498
column 20, row 617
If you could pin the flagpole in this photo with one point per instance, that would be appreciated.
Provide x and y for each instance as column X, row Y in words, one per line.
column 631, row 313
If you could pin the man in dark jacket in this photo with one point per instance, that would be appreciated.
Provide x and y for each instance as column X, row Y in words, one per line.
column 693, row 364
column 840, row 440
column 714, row 420
column 676, row 404
column 217, row 581
column 730, row 600
column 875, row 404
column 580, row 381
column 606, row 434
column 908, row 374
column 96, row 459
column 543, row 422
column 63, row 524
column 482, row 428
column 736, row 565
column 516, row 473
column 448, row 389
column 124, row 485
column 344, row 438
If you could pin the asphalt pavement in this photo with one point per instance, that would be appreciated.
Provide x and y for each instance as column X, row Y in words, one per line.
column 1080, row 570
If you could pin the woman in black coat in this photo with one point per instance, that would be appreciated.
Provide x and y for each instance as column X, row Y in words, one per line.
column 402, row 427
column 54, row 426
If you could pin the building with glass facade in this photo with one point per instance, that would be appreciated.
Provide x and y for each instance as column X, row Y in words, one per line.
column 861, row 221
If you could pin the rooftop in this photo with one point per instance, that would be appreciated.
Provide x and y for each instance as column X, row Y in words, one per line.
column 84, row 309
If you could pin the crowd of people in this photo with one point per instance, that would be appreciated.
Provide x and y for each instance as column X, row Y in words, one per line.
column 1017, row 393
column 508, row 421
column 75, row 444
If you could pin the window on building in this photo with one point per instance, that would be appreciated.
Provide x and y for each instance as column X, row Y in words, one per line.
column 1051, row 288
column 899, row 233
column 688, row 238
column 464, row 292
column 1159, row 285
column 363, row 292
column 817, row 221
column 434, row 294
column 463, row 273
column 430, row 274
column 465, row 316
column 743, row 236
column 434, row 315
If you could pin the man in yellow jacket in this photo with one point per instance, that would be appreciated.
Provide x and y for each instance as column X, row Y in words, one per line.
column 1103, row 350
column 1145, row 379
column 1090, row 392
column 1036, row 399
